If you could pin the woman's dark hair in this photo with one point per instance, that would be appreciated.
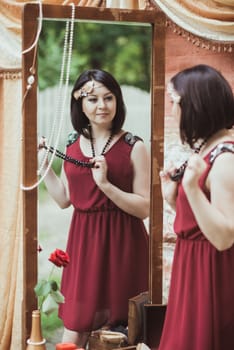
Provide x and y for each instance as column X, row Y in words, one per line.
column 78, row 118
column 207, row 102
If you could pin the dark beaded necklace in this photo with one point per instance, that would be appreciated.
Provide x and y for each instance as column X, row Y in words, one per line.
column 105, row 146
column 69, row 159
column 77, row 162
column 178, row 174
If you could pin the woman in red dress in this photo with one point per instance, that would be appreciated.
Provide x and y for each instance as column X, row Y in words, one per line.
column 200, row 313
column 109, row 190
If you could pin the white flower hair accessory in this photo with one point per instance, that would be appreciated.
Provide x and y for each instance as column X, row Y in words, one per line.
column 86, row 89
column 172, row 92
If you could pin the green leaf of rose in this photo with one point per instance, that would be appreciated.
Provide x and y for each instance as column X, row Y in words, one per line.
column 57, row 296
column 49, row 305
column 42, row 288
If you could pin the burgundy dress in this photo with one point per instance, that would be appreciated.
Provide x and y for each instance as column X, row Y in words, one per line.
column 108, row 248
column 200, row 312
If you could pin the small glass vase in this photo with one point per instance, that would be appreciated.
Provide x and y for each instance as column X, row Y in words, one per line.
column 36, row 341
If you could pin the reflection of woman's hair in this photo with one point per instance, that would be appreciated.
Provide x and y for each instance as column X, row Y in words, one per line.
column 78, row 118
column 207, row 102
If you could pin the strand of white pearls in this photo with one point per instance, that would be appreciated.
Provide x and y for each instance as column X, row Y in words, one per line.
column 32, row 70
column 63, row 88
column 59, row 110
column 38, row 29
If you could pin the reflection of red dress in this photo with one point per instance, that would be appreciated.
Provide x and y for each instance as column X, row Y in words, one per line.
column 200, row 313
column 108, row 248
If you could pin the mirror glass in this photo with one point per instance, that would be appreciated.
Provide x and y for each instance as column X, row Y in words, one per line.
column 124, row 50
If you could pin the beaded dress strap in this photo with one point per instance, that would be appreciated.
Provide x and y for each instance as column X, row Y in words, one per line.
column 72, row 137
column 219, row 149
column 131, row 139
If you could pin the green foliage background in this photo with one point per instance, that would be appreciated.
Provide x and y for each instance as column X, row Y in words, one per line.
column 123, row 50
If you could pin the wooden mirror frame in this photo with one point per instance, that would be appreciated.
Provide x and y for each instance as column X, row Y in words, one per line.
column 156, row 19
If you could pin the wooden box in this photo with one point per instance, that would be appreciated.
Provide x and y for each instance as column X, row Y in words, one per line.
column 98, row 342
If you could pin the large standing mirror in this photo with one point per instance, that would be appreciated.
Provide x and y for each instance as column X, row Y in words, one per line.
column 144, row 101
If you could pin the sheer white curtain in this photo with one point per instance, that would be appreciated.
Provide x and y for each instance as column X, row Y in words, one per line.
column 11, row 233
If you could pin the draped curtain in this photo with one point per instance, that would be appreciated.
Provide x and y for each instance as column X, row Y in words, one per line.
column 11, row 262
column 211, row 19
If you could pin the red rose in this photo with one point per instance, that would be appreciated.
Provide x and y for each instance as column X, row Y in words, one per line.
column 59, row 258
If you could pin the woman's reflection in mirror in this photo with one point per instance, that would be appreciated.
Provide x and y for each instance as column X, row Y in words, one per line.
column 107, row 242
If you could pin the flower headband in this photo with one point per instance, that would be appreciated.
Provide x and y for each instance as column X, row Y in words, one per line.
column 86, row 89
column 172, row 92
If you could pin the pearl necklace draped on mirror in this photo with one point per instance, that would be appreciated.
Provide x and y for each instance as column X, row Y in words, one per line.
column 57, row 123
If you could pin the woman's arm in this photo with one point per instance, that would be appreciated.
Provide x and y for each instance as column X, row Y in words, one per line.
column 138, row 202
column 215, row 218
column 57, row 187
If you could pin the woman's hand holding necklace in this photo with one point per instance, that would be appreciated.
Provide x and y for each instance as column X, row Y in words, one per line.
column 99, row 171
column 42, row 153
column 195, row 167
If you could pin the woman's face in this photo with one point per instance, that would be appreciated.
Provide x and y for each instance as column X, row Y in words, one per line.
column 175, row 100
column 100, row 105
